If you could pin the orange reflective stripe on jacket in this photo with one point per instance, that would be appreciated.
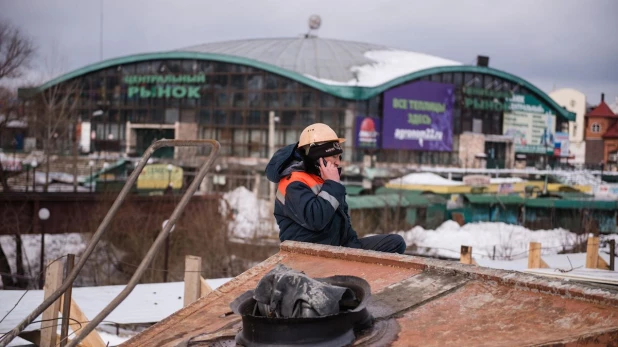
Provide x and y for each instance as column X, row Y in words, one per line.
column 312, row 181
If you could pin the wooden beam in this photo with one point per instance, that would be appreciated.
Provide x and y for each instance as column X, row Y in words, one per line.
column 592, row 253
column 65, row 307
column 193, row 270
column 602, row 264
column 93, row 339
column 534, row 257
column 466, row 255
column 612, row 254
column 49, row 325
column 205, row 288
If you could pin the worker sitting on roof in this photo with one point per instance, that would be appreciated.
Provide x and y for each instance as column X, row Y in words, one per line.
column 310, row 204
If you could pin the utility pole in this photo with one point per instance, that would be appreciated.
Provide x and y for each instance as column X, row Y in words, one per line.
column 271, row 149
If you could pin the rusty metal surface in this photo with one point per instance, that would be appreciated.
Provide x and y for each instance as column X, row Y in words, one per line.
column 485, row 314
column 419, row 302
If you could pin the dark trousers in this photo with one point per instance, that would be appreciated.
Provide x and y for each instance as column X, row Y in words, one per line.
column 391, row 243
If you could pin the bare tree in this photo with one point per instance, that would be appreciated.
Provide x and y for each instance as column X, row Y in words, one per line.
column 9, row 113
column 52, row 115
column 16, row 52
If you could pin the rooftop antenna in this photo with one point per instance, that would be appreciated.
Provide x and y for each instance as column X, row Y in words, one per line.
column 101, row 31
column 314, row 24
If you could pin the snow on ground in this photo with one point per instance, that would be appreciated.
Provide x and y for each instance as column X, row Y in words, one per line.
column 252, row 216
column 56, row 246
column 511, row 241
column 554, row 261
column 388, row 65
column 425, row 178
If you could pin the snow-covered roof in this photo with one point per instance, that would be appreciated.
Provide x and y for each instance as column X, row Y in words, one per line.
column 147, row 303
column 332, row 62
column 425, row 178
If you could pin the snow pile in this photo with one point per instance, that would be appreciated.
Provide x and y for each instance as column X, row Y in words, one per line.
column 511, row 241
column 253, row 217
column 425, row 178
column 581, row 178
column 392, row 64
column 389, row 64
column 56, row 245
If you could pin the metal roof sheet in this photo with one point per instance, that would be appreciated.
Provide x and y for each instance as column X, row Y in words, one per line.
column 573, row 203
column 387, row 200
column 321, row 58
column 147, row 303
column 495, row 199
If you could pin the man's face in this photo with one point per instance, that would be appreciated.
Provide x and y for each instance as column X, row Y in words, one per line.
column 334, row 159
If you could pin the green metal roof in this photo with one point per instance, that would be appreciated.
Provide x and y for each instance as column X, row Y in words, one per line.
column 573, row 204
column 342, row 91
column 353, row 190
column 386, row 200
column 490, row 199
column 111, row 167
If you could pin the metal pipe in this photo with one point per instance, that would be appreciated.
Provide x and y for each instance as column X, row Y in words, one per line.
column 103, row 226
column 164, row 234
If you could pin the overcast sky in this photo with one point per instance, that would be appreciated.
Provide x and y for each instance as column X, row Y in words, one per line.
column 551, row 43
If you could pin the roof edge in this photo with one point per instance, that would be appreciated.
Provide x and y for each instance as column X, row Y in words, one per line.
column 570, row 116
column 342, row 91
column 345, row 93
column 509, row 278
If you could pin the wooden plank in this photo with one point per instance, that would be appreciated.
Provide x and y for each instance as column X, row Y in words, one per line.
column 612, row 254
column 65, row 307
column 466, row 255
column 534, row 256
column 193, row 269
column 77, row 315
column 49, row 325
column 412, row 292
column 602, row 264
column 592, row 253
column 205, row 288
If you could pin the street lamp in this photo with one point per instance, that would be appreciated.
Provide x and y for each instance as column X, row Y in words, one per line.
column 43, row 215
column 167, row 248
column 170, row 167
column 34, row 164
column 91, row 165
column 105, row 166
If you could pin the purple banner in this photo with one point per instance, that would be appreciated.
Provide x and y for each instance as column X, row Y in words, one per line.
column 367, row 132
column 419, row 116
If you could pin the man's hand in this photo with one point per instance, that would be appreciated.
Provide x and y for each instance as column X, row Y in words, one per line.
column 328, row 171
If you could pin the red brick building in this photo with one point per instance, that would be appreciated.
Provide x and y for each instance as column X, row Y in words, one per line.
column 602, row 135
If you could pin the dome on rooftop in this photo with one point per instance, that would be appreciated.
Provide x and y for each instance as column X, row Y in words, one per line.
column 335, row 62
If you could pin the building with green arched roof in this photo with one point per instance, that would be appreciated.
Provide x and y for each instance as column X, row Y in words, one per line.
column 398, row 106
